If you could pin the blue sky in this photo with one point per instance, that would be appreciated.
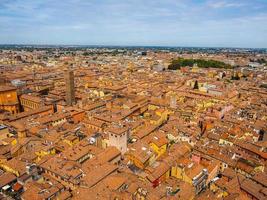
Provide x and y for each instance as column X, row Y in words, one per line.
column 219, row 23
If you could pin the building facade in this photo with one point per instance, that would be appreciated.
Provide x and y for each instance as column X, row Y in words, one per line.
column 8, row 99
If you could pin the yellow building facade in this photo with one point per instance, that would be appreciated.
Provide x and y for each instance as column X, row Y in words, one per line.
column 8, row 99
column 159, row 149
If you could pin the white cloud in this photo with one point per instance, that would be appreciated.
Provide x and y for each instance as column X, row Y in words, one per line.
column 224, row 4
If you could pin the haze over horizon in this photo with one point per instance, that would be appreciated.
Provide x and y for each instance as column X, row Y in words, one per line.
column 207, row 23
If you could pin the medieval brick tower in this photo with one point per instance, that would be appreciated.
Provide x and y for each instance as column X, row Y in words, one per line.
column 70, row 88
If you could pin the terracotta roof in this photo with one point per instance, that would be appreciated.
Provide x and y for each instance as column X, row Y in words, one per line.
column 97, row 173
column 7, row 178
column 6, row 88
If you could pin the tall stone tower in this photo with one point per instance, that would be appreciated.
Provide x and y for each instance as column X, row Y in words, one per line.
column 70, row 89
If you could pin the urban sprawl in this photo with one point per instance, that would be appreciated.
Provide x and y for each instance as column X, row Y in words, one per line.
column 135, row 123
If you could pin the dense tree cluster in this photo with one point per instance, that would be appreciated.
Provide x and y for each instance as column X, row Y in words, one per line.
column 182, row 62
column 260, row 61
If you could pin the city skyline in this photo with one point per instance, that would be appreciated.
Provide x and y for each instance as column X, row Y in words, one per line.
column 197, row 23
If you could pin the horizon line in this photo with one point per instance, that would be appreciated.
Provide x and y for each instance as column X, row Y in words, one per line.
column 116, row 45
